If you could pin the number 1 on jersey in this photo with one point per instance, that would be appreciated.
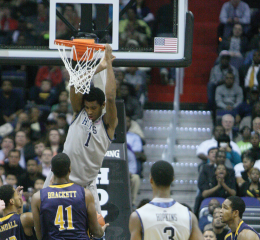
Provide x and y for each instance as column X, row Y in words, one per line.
column 89, row 136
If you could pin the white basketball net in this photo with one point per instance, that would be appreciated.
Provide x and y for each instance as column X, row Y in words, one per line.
column 82, row 73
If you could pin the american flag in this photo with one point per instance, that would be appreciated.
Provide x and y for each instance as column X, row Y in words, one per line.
column 165, row 44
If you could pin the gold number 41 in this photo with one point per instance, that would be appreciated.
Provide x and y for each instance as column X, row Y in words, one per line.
column 59, row 219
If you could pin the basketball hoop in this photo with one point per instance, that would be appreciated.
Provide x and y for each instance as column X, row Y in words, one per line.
column 85, row 54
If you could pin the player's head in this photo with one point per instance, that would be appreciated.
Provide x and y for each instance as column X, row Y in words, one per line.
column 60, row 165
column 209, row 235
column 94, row 103
column 233, row 207
column 162, row 174
column 10, row 197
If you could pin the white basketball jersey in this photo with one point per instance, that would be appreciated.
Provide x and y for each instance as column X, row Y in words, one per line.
column 165, row 219
column 86, row 145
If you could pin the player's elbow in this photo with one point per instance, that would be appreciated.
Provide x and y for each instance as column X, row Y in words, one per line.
column 98, row 233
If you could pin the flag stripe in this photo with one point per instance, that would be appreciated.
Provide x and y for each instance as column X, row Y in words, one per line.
column 165, row 44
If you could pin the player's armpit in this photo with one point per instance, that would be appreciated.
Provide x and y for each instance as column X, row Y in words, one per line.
column 94, row 228
column 27, row 222
column 36, row 203
column 135, row 227
column 247, row 234
column 195, row 232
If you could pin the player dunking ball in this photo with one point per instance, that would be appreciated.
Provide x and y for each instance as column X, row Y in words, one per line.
column 163, row 218
column 64, row 210
column 231, row 214
column 90, row 133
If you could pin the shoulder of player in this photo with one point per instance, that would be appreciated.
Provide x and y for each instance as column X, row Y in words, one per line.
column 134, row 220
column 36, row 199
column 247, row 234
column 27, row 220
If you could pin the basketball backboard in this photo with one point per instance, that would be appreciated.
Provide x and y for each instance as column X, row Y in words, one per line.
column 143, row 48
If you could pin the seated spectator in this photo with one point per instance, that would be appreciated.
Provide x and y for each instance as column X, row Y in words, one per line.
column 39, row 146
column 203, row 221
column 11, row 179
column 25, row 146
column 133, row 29
column 37, row 124
column 252, row 187
column 22, row 117
column 211, row 158
column 217, row 76
column 12, row 166
column 219, row 227
column 248, row 164
column 11, row 102
column 250, row 74
column 63, row 97
column 210, row 226
column 245, row 143
column 234, row 12
column 63, row 109
column 249, row 56
column 236, row 45
column 228, row 124
column 135, row 128
column 203, row 148
column 254, row 43
column 28, row 179
column 244, row 110
column 209, row 235
column 63, row 125
column 132, row 105
column 64, row 84
column 38, row 184
column 43, row 95
column 224, row 145
column 8, row 23
column 229, row 95
column 255, row 150
column 47, row 155
column 53, row 141
column 220, row 185
column 6, row 146
column 50, row 124
column 143, row 12
column 52, row 73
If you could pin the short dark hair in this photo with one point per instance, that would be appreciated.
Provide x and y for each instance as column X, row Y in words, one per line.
column 162, row 173
column 95, row 94
column 60, row 165
column 15, row 150
column 8, row 137
column 224, row 138
column 248, row 156
column 213, row 148
column 237, row 204
column 6, row 193
column 215, row 127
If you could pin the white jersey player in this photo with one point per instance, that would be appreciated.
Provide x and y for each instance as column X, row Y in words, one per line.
column 90, row 132
column 163, row 218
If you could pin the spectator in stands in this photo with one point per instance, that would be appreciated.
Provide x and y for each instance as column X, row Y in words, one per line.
column 224, row 145
column 47, row 155
column 52, row 73
column 219, row 227
column 11, row 102
column 212, row 155
column 203, row 221
column 203, row 148
column 63, row 126
column 43, row 95
column 244, row 110
column 143, row 12
column 53, row 141
column 37, row 125
column 132, row 105
column 228, row 124
column 252, row 187
column 63, row 97
column 218, row 74
column 248, row 164
column 234, row 12
column 245, row 143
column 25, row 146
column 209, row 226
column 12, row 166
column 63, row 109
column 254, row 43
column 255, row 150
column 209, row 235
column 8, row 23
column 229, row 95
column 11, row 179
column 237, row 46
column 6, row 146
column 133, row 29
column 39, row 146
column 22, row 117
column 38, row 184
column 219, row 185
column 64, row 84
column 28, row 179
column 256, row 124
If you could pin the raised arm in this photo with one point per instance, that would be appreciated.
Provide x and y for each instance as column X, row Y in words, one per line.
column 76, row 101
column 36, row 203
column 110, row 118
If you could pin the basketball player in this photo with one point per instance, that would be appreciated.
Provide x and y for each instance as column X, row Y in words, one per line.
column 90, row 132
column 64, row 210
column 163, row 218
column 231, row 214
column 14, row 226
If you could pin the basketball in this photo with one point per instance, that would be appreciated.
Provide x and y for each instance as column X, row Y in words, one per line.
column 101, row 220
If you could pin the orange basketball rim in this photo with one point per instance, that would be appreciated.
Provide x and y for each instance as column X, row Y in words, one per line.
column 81, row 46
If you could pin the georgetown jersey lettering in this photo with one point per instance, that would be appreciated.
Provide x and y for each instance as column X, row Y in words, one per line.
column 63, row 212
column 11, row 228
column 242, row 225
column 165, row 219
column 86, row 145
